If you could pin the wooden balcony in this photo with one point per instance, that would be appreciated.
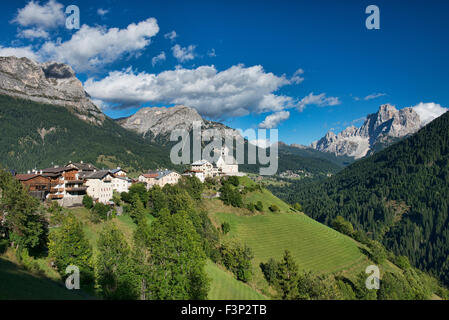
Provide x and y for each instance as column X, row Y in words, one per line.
column 77, row 189
column 74, row 182
column 56, row 196
column 54, row 190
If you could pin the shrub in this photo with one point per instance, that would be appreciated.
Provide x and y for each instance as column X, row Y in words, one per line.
column 225, row 227
column 4, row 243
column 88, row 202
column 251, row 207
column 237, row 259
column 297, row 207
column 259, row 206
column 274, row 208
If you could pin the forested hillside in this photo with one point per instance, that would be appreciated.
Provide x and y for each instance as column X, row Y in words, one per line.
column 399, row 196
column 34, row 135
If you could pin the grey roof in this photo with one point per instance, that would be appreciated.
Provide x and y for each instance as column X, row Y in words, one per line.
column 56, row 170
column 94, row 175
column 84, row 166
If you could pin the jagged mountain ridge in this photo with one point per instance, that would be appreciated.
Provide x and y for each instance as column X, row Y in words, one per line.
column 379, row 129
column 156, row 123
column 50, row 83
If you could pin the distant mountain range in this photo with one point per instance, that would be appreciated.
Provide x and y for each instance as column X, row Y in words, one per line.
column 380, row 129
column 47, row 118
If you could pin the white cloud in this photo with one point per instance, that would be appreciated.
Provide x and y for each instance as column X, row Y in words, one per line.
column 296, row 78
column 236, row 91
column 102, row 12
column 47, row 16
column 33, row 33
column 160, row 57
column 93, row 47
column 19, row 52
column 429, row 111
column 171, row 35
column 319, row 100
column 374, row 96
column 274, row 119
column 183, row 54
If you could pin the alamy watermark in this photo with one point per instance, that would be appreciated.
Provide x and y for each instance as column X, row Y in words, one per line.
column 189, row 148
column 373, row 280
column 73, row 19
column 73, row 280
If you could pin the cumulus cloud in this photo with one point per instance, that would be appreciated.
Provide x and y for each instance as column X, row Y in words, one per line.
column 19, row 52
column 47, row 16
column 319, row 100
column 236, row 91
column 33, row 33
column 274, row 119
column 429, row 111
column 296, row 78
column 93, row 47
column 171, row 35
column 160, row 57
column 183, row 54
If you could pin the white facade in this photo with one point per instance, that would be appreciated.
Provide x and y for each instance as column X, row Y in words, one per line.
column 100, row 189
column 120, row 184
column 160, row 178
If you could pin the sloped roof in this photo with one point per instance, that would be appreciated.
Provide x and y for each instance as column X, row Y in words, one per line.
column 57, row 170
column 83, row 166
column 26, row 177
column 95, row 175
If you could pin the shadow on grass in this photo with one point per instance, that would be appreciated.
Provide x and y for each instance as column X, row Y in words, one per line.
column 18, row 284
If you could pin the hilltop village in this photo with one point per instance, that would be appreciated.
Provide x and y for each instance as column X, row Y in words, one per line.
column 69, row 184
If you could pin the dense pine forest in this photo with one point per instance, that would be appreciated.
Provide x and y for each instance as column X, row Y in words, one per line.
column 399, row 196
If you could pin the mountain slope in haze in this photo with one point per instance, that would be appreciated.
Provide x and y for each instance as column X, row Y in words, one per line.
column 380, row 129
column 36, row 135
column 399, row 195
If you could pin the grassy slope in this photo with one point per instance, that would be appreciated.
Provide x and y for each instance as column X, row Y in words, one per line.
column 224, row 286
column 314, row 246
column 17, row 284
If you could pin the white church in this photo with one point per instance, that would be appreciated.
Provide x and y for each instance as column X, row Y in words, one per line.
column 224, row 166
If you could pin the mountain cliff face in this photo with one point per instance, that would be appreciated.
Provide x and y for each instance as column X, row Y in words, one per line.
column 50, row 83
column 160, row 122
column 379, row 129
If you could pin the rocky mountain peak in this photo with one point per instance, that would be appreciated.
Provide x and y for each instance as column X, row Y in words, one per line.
column 51, row 83
column 384, row 126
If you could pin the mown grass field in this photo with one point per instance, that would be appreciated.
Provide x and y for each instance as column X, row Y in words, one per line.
column 225, row 287
column 314, row 246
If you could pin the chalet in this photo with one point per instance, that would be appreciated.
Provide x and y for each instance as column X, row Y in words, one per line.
column 119, row 172
column 38, row 185
column 195, row 173
column 66, row 186
column 149, row 179
column 160, row 178
column 82, row 167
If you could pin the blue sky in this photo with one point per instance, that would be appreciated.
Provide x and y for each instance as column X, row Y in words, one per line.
column 238, row 61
